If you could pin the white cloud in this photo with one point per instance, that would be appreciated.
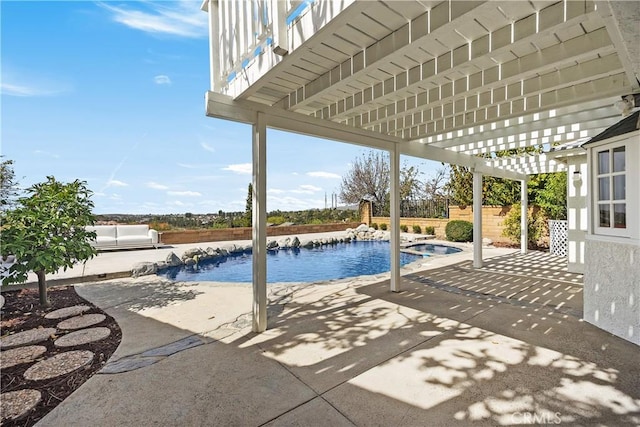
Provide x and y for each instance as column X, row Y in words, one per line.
column 275, row 191
column 184, row 193
column 23, row 85
column 46, row 153
column 157, row 186
column 321, row 174
column 240, row 168
column 183, row 18
column 207, row 147
column 162, row 80
column 116, row 183
column 312, row 188
column 293, row 203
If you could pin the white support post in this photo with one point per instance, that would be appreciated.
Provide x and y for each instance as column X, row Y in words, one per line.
column 259, row 222
column 280, row 34
column 524, row 207
column 394, row 159
column 477, row 219
column 214, row 46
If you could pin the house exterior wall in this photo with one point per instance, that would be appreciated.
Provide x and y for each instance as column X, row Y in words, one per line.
column 612, row 288
column 577, row 220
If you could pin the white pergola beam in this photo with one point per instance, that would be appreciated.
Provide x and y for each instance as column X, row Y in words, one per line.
column 221, row 106
column 477, row 219
column 394, row 159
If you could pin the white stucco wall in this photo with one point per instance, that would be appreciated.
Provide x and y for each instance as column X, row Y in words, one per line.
column 612, row 288
column 577, row 223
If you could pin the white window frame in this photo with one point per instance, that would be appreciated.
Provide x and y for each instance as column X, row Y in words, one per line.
column 631, row 143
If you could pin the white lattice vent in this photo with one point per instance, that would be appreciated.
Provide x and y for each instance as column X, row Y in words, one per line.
column 558, row 238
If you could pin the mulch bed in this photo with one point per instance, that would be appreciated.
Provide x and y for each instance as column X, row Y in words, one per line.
column 21, row 312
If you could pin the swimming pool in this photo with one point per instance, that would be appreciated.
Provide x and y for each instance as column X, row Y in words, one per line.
column 434, row 248
column 297, row 265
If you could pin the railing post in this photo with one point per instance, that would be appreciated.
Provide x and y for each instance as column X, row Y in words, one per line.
column 214, row 46
column 279, row 22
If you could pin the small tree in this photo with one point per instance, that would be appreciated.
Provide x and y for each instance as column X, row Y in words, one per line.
column 46, row 231
column 368, row 176
column 8, row 185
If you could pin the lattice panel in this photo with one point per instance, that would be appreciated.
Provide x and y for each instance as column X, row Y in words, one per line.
column 558, row 238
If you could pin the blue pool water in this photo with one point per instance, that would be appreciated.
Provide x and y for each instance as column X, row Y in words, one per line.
column 297, row 265
column 436, row 249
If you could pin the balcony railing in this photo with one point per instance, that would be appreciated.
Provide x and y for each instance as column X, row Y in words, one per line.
column 241, row 31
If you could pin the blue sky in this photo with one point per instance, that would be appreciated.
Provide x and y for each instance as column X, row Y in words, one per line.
column 113, row 93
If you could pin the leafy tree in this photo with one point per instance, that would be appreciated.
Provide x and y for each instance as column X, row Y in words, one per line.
column 46, row 231
column 369, row 177
column 536, row 226
column 8, row 185
column 549, row 191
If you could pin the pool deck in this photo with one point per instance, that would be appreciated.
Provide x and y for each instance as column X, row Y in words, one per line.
column 500, row 345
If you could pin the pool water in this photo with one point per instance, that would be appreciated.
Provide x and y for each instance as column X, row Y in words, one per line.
column 297, row 265
column 431, row 248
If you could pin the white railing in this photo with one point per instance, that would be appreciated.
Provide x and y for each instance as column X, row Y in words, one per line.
column 242, row 30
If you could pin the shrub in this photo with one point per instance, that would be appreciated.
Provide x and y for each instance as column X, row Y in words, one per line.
column 374, row 225
column 383, row 227
column 536, row 226
column 404, row 228
column 459, row 231
column 430, row 230
column 417, row 229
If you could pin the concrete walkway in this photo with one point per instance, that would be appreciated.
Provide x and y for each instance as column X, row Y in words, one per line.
column 501, row 345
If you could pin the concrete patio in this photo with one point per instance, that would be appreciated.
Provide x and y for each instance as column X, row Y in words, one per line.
column 501, row 345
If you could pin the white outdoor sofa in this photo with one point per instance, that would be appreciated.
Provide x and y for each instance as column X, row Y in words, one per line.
column 123, row 236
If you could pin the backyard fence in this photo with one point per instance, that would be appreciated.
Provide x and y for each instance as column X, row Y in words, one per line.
column 417, row 209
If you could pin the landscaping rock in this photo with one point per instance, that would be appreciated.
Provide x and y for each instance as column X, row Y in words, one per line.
column 67, row 312
column 83, row 336
column 193, row 252
column 144, row 269
column 189, row 262
column 173, row 260
column 83, row 321
column 31, row 336
column 306, row 244
column 16, row 404
column 60, row 364
column 362, row 228
column 284, row 243
column 20, row 355
column 295, row 242
column 272, row 244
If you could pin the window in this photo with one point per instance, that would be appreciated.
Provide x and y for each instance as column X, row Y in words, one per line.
column 615, row 188
column 612, row 182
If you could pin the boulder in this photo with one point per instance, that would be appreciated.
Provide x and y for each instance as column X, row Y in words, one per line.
column 362, row 228
column 173, row 260
column 284, row 243
column 295, row 242
column 272, row 245
column 190, row 253
column 306, row 244
column 189, row 262
column 144, row 269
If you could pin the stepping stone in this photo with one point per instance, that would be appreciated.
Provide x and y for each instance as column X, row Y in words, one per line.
column 20, row 355
column 16, row 404
column 67, row 312
column 82, row 321
column 82, row 337
column 59, row 364
column 31, row 336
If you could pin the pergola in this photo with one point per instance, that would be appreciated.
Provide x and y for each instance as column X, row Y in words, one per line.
column 440, row 80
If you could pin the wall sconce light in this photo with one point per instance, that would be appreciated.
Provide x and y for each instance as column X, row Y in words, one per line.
column 577, row 177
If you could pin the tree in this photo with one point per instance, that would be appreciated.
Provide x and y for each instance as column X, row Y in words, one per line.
column 248, row 210
column 369, row 177
column 46, row 231
column 435, row 187
column 8, row 185
column 549, row 191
